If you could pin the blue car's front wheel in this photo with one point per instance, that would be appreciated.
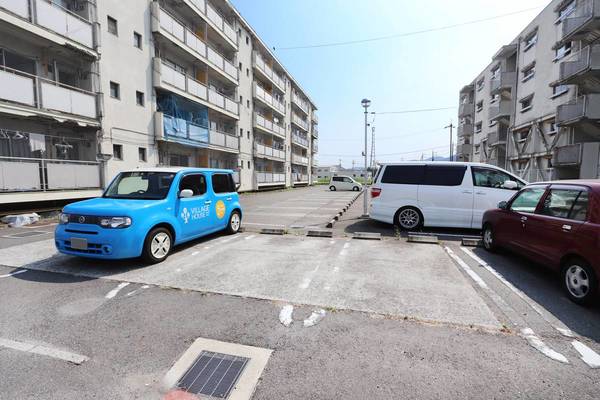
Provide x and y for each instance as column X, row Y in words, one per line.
column 157, row 245
column 235, row 222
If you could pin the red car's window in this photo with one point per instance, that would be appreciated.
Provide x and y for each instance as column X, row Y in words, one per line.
column 527, row 200
column 559, row 203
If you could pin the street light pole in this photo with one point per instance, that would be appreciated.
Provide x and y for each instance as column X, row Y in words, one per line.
column 365, row 103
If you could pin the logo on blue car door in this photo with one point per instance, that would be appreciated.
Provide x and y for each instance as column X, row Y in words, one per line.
column 195, row 213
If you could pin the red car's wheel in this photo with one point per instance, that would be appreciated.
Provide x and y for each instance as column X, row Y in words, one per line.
column 488, row 238
column 580, row 281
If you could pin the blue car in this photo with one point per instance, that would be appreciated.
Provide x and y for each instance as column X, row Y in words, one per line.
column 147, row 212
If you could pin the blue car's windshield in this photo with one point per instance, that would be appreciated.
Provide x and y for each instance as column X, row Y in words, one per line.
column 140, row 186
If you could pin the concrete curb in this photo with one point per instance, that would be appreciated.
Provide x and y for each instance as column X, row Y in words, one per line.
column 366, row 235
column 319, row 233
column 344, row 209
column 423, row 239
column 472, row 242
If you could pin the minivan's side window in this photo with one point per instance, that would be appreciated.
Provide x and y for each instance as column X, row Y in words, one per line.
column 527, row 200
column 444, row 175
column 484, row 177
column 347, row 180
column 222, row 183
column 404, row 174
column 562, row 204
column 195, row 182
column 338, row 179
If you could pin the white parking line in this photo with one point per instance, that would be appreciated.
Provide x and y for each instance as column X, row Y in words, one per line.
column 344, row 250
column 285, row 315
column 43, row 350
column 257, row 223
column 588, row 356
column 13, row 273
column 315, row 318
column 116, row 290
column 137, row 290
column 250, row 237
column 539, row 345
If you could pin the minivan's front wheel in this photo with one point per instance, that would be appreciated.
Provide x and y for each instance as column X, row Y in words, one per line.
column 579, row 281
column 157, row 245
column 332, row 188
column 355, row 188
column 235, row 222
column 488, row 238
column 409, row 219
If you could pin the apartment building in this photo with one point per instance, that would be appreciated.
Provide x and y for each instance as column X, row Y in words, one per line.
column 534, row 110
column 90, row 88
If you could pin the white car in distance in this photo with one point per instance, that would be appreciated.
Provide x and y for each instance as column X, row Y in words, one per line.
column 344, row 183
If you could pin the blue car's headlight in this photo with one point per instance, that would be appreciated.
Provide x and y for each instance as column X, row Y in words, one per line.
column 63, row 218
column 115, row 222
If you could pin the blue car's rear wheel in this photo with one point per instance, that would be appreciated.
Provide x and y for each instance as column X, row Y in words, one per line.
column 157, row 245
column 235, row 222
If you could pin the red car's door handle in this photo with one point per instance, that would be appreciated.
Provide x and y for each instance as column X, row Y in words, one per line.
column 523, row 219
column 567, row 228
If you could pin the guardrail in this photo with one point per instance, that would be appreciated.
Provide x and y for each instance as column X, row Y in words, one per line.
column 299, row 140
column 272, row 127
column 300, row 102
column 180, row 128
column 269, row 177
column 209, row 12
column 298, row 177
column 261, row 149
column 299, row 121
column 36, row 174
column 297, row 159
column 261, row 94
column 268, row 71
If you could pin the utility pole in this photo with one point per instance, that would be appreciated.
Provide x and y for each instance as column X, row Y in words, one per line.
column 432, row 156
column 451, row 126
column 365, row 103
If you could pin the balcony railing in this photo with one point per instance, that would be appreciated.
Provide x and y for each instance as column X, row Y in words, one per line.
column 296, row 119
column 262, row 122
column 300, row 102
column 299, row 177
column 465, row 129
column 267, row 98
column 270, row 177
column 466, row 109
column 261, row 65
column 315, row 147
column 314, row 117
column 500, row 109
column 496, row 137
column 263, row 150
column 187, row 132
column 299, row 140
column 506, row 80
column 464, row 149
column 315, row 131
column 585, row 60
column 34, row 91
column 53, row 17
column 41, row 175
column 209, row 12
column 584, row 107
column 586, row 11
column 569, row 155
column 298, row 159
column 223, row 139
column 195, row 88
column 181, row 34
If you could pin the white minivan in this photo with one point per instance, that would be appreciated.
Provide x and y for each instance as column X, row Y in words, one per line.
column 344, row 183
column 442, row 194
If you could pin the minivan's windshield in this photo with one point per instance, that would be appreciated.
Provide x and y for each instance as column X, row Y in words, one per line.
column 140, row 185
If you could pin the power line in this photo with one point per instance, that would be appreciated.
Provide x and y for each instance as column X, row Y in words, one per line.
column 416, row 111
column 405, row 34
column 383, row 137
column 384, row 155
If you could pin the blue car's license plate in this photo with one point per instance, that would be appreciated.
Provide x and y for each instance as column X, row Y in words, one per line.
column 79, row 244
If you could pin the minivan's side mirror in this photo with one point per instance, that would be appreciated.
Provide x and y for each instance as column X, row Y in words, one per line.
column 237, row 186
column 503, row 205
column 510, row 185
column 185, row 193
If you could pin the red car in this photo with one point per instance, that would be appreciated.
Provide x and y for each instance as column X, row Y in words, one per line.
column 556, row 224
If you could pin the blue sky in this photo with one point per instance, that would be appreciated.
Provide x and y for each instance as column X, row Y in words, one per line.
column 415, row 72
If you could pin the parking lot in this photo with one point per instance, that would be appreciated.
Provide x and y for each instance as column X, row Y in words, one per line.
column 344, row 318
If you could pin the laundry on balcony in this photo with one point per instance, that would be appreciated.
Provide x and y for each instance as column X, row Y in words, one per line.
column 184, row 120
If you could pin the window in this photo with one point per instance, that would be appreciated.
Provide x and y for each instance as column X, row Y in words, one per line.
column 140, row 185
column 348, row 180
column 565, row 11
column 479, row 106
column 241, row 132
column 247, row 72
column 526, row 103
column 491, row 178
column 112, row 25
column 559, row 90
column 142, row 154
column 480, row 84
column 139, row 98
column 552, row 128
column 240, row 66
column 528, row 72
column 241, row 99
column 195, row 182
column 223, row 183
column 563, row 51
column 248, row 103
column 496, row 72
column 115, row 90
column 478, row 127
column 494, row 98
column 404, row 174
column 527, row 200
column 247, row 40
column 444, row 175
column 248, row 133
column 137, row 40
column 117, row 151
column 561, row 204
column 522, row 135
column 248, row 161
column 337, row 179
column 530, row 40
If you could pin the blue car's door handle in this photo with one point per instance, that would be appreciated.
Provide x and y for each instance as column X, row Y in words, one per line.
column 208, row 202
column 228, row 199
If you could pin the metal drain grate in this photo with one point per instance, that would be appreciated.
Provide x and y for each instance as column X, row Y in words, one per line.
column 213, row 375
column 28, row 234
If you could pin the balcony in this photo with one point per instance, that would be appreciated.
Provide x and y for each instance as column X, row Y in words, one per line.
column 506, row 80
column 168, row 78
column 464, row 149
column 53, row 22
column 565, row 156
column 583, row 21
column 315, row 131
column 299, row 178
column 586, row 107
column 178, row 33
column 300, row 122
column 271, row 153
column 466, row 109
column 498, row 136
column 580, row 66
column 268, row 99
column 300, row 140
column 264, row 124
column 298, row 159
column 465, row 130
column 215, row 20
column 259, row 63
column 300, row 102
column 42, row 175
column 270, row 178
column 47, row 97
column 315, row 147
column 500, row 110
column 314, row 117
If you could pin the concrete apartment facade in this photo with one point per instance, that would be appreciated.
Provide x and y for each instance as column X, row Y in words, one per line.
column 534, row 109
column 91, row 88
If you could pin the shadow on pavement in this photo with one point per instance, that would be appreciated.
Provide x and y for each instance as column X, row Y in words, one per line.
column 544, row 286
